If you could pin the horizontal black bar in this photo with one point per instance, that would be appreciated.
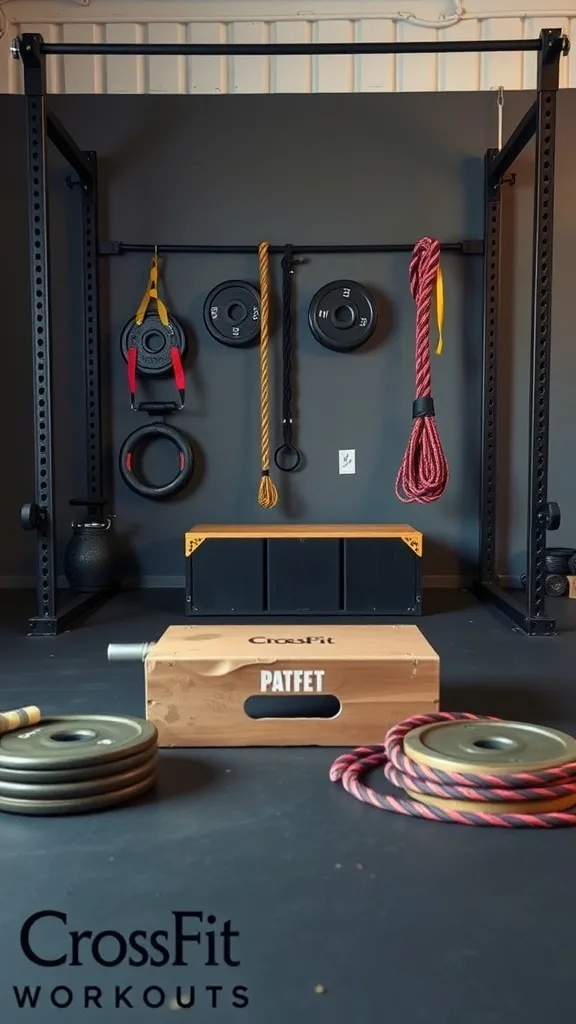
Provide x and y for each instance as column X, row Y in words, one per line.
column 290, row 49
column 474, row 247
column 514, row 608
column 78, row 606
column 513, row 146
column 66, row 146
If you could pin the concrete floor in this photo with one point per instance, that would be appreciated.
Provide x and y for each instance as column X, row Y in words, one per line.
column 395, row 918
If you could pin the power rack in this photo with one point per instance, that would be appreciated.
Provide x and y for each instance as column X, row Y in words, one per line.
column 526, row 611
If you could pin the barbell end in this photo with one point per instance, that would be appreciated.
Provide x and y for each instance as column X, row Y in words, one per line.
column 32, row 517
column 550, row 516
column 129, row 652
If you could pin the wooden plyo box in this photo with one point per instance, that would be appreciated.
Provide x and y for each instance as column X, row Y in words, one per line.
column 202, row 680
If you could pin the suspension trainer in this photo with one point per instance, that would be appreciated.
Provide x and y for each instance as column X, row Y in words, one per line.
column 423, row 474
column 267, row 493
column 153, row 343
column 287, row 456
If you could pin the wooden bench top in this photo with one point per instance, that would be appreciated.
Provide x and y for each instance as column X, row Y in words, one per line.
column 204, row 531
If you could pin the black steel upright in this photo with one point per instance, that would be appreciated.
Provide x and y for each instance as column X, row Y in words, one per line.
column 527, row 611
column 93, row 426
column 43, row 514
column 548, row 82
column 52, row 616
column 492, row 224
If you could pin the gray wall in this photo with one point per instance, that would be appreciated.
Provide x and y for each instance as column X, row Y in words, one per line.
column 322, row 169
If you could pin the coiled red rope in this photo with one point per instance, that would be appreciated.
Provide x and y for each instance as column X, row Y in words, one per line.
column 405, row 774
column 423, row 474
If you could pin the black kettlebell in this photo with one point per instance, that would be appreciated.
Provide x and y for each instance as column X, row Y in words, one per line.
column 90, row 555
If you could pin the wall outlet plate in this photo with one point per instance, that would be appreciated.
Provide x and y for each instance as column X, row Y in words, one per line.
column 347, row 460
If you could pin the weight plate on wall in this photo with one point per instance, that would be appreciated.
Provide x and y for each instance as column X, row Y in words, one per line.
column 153, row 342
column 72, row 741
column 79, row 805
column 342, row 316
column 489, row 746
column 232, row 314
column 69, row 775
column 49, row 790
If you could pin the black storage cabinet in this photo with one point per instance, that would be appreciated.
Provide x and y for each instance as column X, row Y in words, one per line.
column 306, row 572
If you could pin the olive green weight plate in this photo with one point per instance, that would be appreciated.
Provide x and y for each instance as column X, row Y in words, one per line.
column 559, row 803
column 95, row 771
column 74, row 741
column 79, row 805
column 489, row 747
column 72, row 790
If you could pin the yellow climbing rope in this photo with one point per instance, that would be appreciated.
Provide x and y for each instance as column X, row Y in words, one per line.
column 267, row 493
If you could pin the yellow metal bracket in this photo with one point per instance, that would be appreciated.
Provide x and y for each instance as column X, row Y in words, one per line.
column 193, row 542
column 414, row 542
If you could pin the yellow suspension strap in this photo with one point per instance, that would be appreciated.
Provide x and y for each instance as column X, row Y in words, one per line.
column 439, row 310
column 267, row 494
column 151, row 293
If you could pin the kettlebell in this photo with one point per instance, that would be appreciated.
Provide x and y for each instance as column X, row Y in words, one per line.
column 90, row 555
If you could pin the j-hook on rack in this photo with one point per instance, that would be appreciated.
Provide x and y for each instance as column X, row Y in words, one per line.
column 526, row 611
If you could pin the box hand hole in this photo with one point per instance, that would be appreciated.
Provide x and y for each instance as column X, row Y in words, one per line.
column 316, row 705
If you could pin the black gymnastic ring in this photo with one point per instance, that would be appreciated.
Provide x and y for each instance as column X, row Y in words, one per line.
column 141, row 436
column 287, row 451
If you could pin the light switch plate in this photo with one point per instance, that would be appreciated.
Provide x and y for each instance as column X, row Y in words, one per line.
column 347, row 460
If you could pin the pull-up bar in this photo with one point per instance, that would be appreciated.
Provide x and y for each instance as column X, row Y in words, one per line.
column 293, row 49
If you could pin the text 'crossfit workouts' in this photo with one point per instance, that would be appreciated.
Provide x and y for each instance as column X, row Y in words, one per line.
column 192, row 939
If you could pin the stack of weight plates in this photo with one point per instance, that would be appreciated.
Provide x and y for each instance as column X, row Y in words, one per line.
column 73, row 764
column 458, row 757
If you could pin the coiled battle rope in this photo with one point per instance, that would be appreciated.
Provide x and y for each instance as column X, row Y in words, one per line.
column 267, row 493
column 423, row 474
column 406, row 774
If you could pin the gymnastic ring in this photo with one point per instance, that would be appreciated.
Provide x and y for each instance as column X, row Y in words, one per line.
column 140, row 437
column 287, row 458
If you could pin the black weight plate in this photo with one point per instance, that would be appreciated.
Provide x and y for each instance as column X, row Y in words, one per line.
column 74, row 741
column 79, row 805
column 71, row 790
column 342, row 316
column 153, row 342
column 232, row 314
column 70, row 775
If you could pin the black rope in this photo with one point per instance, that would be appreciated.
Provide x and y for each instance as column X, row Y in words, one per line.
column 287, row 457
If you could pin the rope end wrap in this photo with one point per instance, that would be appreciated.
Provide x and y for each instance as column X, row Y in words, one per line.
column 423, row 407
column 267, row 493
